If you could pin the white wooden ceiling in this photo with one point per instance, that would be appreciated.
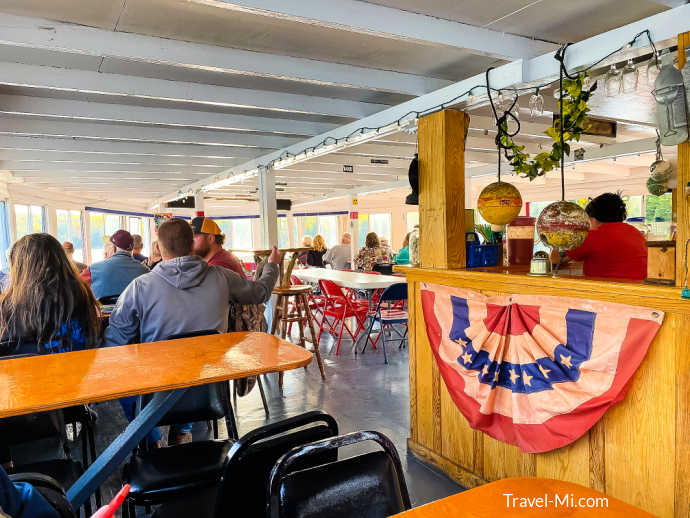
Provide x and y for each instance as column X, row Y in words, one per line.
column 126, row 100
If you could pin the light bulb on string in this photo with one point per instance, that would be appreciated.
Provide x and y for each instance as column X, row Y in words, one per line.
column 652, row 70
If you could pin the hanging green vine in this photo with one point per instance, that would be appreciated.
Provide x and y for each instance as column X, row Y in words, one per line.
column 575, row 109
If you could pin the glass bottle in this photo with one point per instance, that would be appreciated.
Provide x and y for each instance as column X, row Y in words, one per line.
column 630, row 77
column 613, row 82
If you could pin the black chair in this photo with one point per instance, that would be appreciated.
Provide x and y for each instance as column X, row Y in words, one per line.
column 371, row 485
column 249, row 464
column 50, row 489
column 109, row 300
column 383, row 268
column 51, row 425
column 161, row 474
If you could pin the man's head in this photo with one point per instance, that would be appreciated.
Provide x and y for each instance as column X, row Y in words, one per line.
column 384, row 242
column 207, row 236
column 123, row 241
column 346, row 239
column 138, row 243
column 306, row 241
column 68, row 247
column 175, row 239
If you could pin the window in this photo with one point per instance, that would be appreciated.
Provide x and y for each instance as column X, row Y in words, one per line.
column 5, row 239
column 140, row 226
column 69, row 229
column 28, row 219
column 412, row 220
column 308, row 226
column 238, row 233
column 381, row 224
column 101, row 225
column 283, row 233
column 363, row 228
column 328, row 228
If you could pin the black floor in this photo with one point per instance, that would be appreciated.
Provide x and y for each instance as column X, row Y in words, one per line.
column 360, row 391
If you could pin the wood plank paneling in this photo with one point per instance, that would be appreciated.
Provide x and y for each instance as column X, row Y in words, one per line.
column 412, row 288
column 640, row 431
column 682, row 201
column 683, row 424
column 441, row 138
column 458, row 438
column 597, row 456
column 503, row 460
column 570, row 463
column 424, row 392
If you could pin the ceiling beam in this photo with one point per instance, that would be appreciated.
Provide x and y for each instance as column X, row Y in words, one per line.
column 89, row 157
column 130, row 87
column 662, row 27
column 386, row 22
column 107, row 112
column 38, row 165
column 23, row 32
column 135, row 148
column 63, row 128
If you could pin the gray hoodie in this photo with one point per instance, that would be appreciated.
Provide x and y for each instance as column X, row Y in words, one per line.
column 183, row 295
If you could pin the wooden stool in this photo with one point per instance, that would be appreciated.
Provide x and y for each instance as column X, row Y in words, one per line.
column 300, row 315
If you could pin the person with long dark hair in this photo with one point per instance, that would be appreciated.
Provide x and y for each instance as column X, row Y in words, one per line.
column 46, row 307
column 612, row 248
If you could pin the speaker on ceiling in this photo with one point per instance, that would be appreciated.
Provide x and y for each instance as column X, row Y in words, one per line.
column 181, row 203
column 283, row 204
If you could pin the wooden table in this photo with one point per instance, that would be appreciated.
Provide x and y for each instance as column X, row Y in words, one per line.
column 55, row 381
column 490, row 501
column 356, row 280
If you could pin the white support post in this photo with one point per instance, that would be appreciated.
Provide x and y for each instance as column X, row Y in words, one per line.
column 354, row 230
column 198, row 203
column 267, row 207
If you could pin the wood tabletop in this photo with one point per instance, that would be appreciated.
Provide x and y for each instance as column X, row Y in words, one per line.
column 490, row 500
column 358, row 280
column 53, row 381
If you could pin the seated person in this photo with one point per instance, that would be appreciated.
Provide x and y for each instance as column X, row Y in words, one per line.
column 111, row 276
column 181, row 295
column 339, row 256
column 386, row 247
column 371, row 254
column 315, row 256
column 155, row 258
column 403, row 256
column 69, row 250
column 302, row 256
column 22, row 500
column 137, row 248
column 612, row 248
column 208, row 244
column 46, row 307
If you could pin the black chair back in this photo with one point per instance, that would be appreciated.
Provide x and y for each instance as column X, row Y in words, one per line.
column 251, row 459
column 383, row 268
column 109, row 300
column 371, row 485
column 31, row 427
column 202, row 403
column 50, row 489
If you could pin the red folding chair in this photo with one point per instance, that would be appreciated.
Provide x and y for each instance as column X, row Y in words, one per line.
column 316, row 302
column 340, row 307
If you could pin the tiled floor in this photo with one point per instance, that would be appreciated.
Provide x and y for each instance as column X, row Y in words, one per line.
column 360, row 392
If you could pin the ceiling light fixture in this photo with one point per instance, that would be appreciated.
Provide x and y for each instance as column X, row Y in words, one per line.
column 237, row 178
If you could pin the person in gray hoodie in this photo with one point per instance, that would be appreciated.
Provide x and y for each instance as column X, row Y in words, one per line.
column 182, row 294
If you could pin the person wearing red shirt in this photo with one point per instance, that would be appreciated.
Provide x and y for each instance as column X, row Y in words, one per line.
column 208, row 244
column 612, row 248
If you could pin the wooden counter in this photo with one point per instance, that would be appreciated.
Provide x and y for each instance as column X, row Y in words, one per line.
column 638, row 452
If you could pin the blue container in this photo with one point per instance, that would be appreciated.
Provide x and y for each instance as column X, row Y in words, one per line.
column 481, row 255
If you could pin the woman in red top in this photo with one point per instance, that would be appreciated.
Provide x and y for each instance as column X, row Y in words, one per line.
column 612, row 248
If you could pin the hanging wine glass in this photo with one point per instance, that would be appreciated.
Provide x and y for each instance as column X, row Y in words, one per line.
column 630, row 77
column 536, row 105
column 613, row 81
column 652, row 71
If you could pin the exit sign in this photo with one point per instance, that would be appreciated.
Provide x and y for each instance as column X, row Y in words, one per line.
column 348, row 169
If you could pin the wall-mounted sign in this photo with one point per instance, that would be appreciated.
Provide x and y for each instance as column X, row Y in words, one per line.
column 354, row 215
column 348, row 169
column 379, row 161
column 355, row 201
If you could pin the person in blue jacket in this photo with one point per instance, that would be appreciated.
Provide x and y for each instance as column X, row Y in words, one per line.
column 22, row 500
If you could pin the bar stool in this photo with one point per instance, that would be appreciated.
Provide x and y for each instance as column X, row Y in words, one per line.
column 299, row 313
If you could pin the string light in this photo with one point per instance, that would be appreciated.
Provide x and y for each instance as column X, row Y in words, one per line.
column 409, row 117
